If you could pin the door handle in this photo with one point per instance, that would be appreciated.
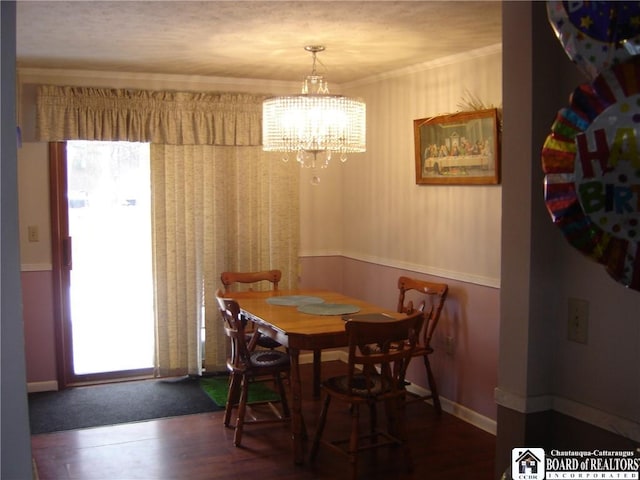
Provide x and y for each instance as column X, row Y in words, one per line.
column 67, row 259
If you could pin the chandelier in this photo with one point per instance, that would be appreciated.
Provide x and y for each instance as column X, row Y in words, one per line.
column 314, row 125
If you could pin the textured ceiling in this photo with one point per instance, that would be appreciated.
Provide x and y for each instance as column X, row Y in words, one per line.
column 263, row 40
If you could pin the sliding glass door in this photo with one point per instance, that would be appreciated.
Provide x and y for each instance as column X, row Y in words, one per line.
column 103, row 238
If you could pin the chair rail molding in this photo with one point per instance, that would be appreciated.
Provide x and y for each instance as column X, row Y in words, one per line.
column 485, row 281
column 36, row 267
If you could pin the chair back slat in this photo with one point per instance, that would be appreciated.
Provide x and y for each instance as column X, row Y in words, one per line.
column 234, row 328
column 381, row 348
column 433, row 296
column 231, row 279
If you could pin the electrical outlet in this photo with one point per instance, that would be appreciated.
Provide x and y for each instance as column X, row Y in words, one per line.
column 32, row 233
column 449, row 345
column 578, row 320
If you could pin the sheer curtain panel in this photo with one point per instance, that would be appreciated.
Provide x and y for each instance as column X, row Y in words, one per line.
column 215, row 209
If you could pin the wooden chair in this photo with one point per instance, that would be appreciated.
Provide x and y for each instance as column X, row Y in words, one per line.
column 230, row 281
column 431, row 297
column 248, row 366
column 375, row 373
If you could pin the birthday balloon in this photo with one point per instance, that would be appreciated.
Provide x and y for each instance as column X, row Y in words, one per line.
column 596, row 35
column 591, row 162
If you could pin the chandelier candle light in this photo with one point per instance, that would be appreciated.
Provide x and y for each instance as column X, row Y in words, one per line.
column 315, row 124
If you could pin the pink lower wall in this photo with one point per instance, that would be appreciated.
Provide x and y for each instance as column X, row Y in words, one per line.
column 39, row 333
column 471, row 317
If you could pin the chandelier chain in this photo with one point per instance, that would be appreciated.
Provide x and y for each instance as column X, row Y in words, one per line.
column 314, row 49
column 313, row 67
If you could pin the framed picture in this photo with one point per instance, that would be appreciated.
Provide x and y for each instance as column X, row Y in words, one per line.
column 461, row 148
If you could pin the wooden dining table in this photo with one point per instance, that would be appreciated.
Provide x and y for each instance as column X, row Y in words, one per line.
column 278, row 315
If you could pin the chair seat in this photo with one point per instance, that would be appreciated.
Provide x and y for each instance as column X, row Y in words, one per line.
column 422, row 351
column 269, row 358
column 419, row 350
column 264, row 341
column 363, row 387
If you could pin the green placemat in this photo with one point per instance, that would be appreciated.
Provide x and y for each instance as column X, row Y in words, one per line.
column 328, row 309
column 218, row 387
column 294, row 300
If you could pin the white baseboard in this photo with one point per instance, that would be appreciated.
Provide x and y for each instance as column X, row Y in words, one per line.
column 620, row 426
column 459, row 411
column 49, row 386
column 585, row 413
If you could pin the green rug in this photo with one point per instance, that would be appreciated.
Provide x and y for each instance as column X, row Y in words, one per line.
column 218, row 387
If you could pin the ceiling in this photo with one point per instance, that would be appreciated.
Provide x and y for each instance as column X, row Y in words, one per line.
column 249, row 39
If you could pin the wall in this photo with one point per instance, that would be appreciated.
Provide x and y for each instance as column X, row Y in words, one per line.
column 15, row 441
column 375, row 212
column 368, row 223
column 33, row 201
column 452, row 231
column 444, row 233
column 540, row 371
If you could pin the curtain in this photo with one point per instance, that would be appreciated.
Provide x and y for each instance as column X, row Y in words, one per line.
column 171, row 118
column 215, row 209
column 218, row 201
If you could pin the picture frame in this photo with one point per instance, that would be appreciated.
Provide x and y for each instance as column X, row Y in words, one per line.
column 458, row 149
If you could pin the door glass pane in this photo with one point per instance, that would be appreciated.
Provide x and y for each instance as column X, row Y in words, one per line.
column 111, row 288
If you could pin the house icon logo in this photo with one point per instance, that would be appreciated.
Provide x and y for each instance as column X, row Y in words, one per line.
column 527, row 464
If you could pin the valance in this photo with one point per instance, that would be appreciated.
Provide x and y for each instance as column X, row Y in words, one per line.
column 170, row 118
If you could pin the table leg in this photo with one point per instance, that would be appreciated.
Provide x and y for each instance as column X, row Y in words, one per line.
column 317, row 365
column 297, row 422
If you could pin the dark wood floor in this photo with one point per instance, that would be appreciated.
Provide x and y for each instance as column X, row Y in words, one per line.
column 200, row 447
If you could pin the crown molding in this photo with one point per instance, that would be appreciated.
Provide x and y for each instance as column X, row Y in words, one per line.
column 99, row 78
column 421, row 67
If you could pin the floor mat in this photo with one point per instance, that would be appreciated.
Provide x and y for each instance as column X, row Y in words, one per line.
column 92, row 406
column 218, row 387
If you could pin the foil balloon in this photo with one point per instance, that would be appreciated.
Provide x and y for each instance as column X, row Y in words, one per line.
column 596, row 35
column 591, row 162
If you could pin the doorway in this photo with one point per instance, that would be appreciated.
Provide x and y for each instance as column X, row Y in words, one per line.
column 102, row 239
